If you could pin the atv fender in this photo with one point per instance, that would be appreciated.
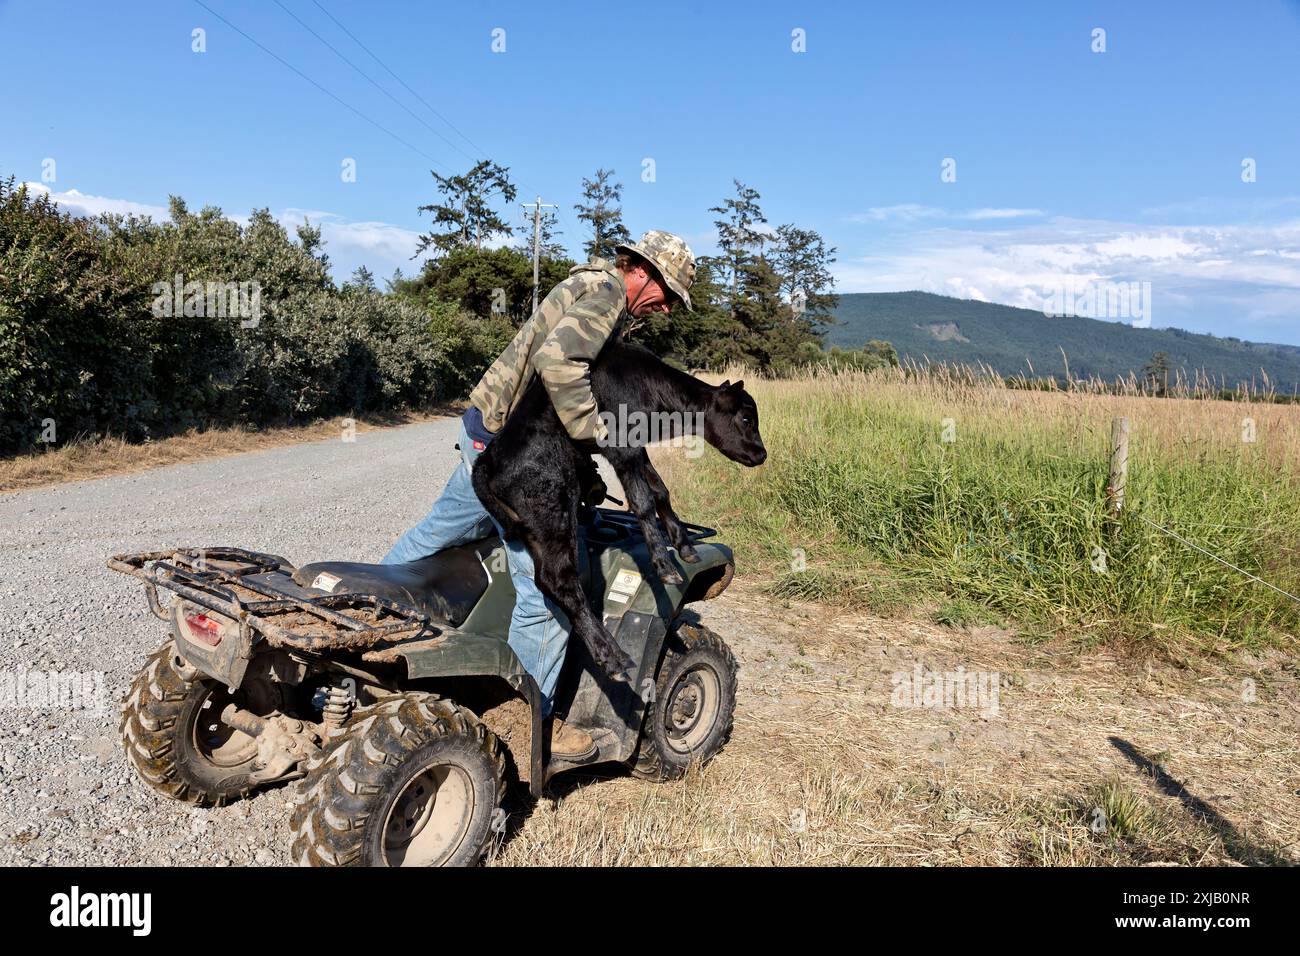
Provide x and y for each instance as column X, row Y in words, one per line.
column 457, row 653
column 705, row 579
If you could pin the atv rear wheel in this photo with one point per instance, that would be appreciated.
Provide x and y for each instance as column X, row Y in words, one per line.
column 173, row 734
column 691, row 715
column 411, row 781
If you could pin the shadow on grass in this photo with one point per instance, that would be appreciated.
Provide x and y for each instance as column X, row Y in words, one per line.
column 1237, row 846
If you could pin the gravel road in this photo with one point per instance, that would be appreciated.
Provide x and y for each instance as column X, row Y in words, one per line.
column 66, row 794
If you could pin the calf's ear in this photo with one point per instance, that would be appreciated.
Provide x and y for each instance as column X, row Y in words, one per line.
column 726, row 384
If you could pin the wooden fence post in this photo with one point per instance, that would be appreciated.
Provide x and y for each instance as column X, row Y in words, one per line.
column 1118, row 469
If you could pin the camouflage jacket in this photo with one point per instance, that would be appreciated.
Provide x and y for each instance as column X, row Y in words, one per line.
column 558, row 342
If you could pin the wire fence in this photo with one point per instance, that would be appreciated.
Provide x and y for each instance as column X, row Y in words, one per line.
column 1210, row 554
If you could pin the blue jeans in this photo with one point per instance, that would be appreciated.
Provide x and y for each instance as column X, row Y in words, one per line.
column 539, row 630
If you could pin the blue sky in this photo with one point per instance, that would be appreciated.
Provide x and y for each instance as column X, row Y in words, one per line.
column 1071, row 165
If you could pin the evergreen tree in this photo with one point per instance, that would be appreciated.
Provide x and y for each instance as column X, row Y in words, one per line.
column 466, row 215
column 768, row 329
column 603, row 214
column 549, row 244
column 737, row 237
column 1155, row 374
column 362, row 281
column 802, row 261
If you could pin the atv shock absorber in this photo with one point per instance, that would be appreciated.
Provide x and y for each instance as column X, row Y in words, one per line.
column 338, row 702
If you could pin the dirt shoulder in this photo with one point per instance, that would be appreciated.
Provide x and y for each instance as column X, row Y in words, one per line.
column 1089, row 758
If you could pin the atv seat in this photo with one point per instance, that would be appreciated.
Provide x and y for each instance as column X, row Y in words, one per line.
column 446, row 585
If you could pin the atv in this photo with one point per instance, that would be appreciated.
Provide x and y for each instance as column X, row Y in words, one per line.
column 390, row 693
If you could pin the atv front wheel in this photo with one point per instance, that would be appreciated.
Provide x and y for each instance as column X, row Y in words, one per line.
column 411, row 781
column 691, row 715
column 173, row 734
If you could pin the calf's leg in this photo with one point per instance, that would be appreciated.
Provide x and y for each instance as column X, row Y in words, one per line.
column 631, row 473
column 672, row 524
column 555, row 559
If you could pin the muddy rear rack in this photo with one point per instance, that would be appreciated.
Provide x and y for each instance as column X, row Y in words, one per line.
column 232, row 582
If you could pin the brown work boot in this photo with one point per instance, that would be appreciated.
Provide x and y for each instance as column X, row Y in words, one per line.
column 570, row 743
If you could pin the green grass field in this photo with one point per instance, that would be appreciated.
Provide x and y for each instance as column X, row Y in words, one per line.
column 985, row 504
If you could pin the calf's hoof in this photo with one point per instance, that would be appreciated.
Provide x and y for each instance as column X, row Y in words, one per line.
column 618, row 666
column 670, row 575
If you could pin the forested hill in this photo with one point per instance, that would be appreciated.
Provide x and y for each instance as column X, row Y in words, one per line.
column 921, row 325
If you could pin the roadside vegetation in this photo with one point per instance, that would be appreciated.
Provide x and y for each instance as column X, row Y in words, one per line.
column 981, row 503
column 123, row 328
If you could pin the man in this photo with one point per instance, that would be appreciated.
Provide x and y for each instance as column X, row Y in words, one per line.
column 558, row 342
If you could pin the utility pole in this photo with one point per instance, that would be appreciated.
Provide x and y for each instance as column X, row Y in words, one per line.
column 537, row 239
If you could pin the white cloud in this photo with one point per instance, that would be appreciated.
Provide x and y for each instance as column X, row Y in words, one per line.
column 80, row 204
column 979, row 214
column 912, row 212
column 380, row 246
column 904, row 212
column 1150, row 246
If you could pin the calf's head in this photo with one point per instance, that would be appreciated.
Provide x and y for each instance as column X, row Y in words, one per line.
column 731, row 424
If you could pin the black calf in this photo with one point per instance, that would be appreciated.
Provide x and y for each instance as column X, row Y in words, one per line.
column 528, row 476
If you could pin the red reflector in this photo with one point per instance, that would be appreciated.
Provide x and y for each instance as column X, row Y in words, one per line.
column 204, row 629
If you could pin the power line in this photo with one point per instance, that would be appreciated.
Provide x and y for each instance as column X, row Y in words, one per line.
column 563, row 220
column 373, row 56
column 332, row 96
column 371, row 81
column 481, row 151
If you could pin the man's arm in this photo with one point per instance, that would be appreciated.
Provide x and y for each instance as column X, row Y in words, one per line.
column 564, row 360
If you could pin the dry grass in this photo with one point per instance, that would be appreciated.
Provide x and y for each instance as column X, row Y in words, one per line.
column 81, row 460
column 1091, row 760
column 1167, row 427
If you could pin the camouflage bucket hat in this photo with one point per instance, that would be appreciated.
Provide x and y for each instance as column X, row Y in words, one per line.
column 671, row 256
